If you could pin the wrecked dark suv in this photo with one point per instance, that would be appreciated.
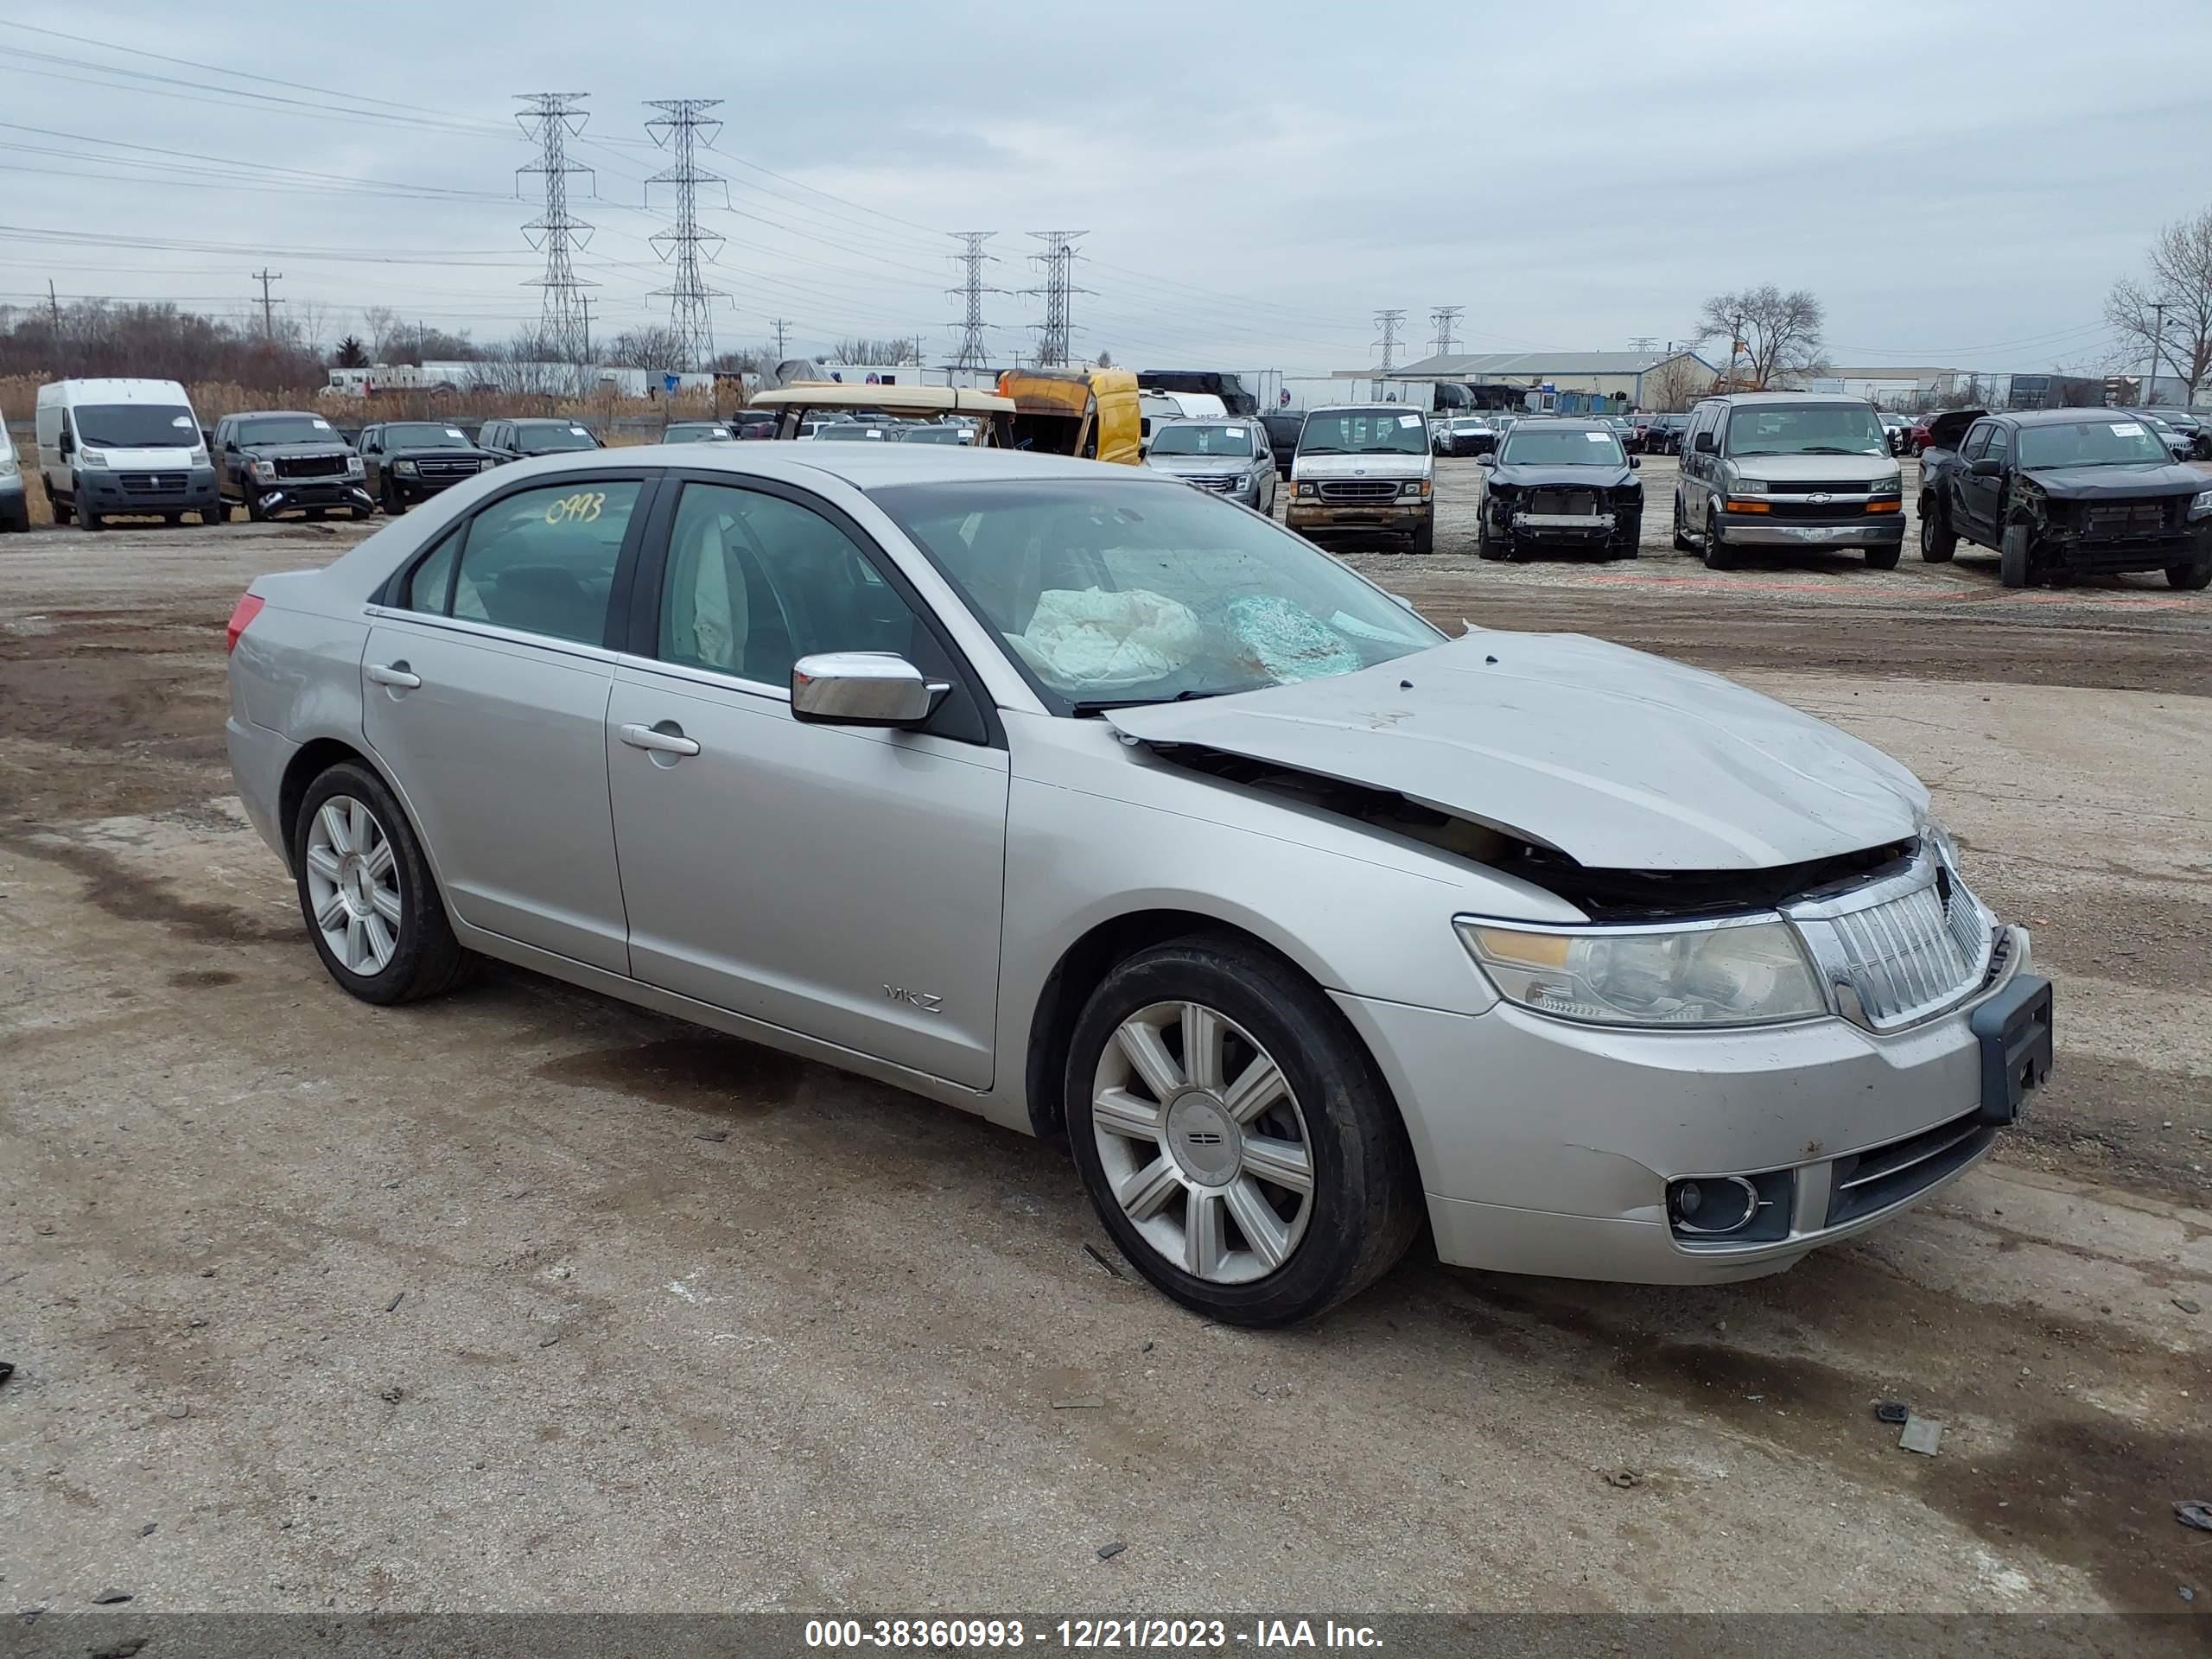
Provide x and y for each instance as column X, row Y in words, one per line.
column 1561, row 486
column 2063, row 493
column 280, row 460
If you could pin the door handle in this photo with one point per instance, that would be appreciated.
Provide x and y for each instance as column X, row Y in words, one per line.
column 394, row 674
column 647, row 737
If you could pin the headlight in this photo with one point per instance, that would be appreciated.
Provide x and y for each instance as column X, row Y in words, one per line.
column 2202, row 504
column 1939, row 839
column 1309, row 490
column 353, row 466
column 1733, row 974
column 91, row 458
column 1893, row 486
column 264, row 472
column 403, row 466
column 8, row 466
column 198, row 457
column 1747, row 486
column 1413, row 486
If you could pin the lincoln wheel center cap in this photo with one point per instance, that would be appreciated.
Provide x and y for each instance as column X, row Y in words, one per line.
column 1203, row 1140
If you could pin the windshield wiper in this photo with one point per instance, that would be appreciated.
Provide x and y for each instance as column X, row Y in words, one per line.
column 1105, row 705
column 1832, row 449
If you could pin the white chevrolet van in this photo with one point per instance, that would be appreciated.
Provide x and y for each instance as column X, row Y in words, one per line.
column 108, row 449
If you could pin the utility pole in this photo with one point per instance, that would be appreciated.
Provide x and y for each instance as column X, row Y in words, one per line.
column 1443, row 316
column 1388, row 321
column 1735, row 344
column 1058, row 262
column 583, row 305
column 2158, row 339
column 54, row 307
column 971, row 259
column 779, row 324
column 690, row 301
column 553, row 119
column 265, row 276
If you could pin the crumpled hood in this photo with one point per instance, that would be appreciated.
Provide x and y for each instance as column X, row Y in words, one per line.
column 2149, row 482
column 1619, row 759
column 307, row 448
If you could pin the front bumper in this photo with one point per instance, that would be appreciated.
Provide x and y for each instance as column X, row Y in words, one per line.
column 1322, row 518
column 1546, row 1147
column 1875, row 529
column 2118, row 556
column 107, row 491
column 289, row 493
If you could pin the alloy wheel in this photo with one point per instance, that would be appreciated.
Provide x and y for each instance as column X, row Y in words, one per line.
column 1202, row 1142
column 354, row 885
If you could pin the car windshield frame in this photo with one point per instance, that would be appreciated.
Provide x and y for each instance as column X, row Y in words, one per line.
column 1745, row 443
column 2034, row 449
column 1574, row 446
column 949, row 521
column 135, row 426
column 405, row 435
column 1396, row 431
column 246, row 429
column 1230, row 432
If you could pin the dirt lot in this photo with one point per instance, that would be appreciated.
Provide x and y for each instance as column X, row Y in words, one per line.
column 681, row 1323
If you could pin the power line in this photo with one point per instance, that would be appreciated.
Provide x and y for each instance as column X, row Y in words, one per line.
column 1058, row 262
column 1443, row 316
column 971, row 258
column 557, row 118
column 690, row 299
column 1388, row 321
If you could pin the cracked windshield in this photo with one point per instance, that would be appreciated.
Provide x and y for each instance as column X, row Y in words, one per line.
column 1112, row 594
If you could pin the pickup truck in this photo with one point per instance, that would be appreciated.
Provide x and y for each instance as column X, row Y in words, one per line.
column 2063, row 493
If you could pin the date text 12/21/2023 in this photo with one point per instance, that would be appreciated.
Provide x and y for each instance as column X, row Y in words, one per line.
column 1085, row 1635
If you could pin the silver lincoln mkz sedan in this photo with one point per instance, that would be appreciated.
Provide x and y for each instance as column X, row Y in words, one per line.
column 1080, row 799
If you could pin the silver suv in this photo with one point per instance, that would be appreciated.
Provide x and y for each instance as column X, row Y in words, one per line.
column 1788, row 469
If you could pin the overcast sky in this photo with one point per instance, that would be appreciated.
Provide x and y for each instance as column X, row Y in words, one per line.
column 1960, row 185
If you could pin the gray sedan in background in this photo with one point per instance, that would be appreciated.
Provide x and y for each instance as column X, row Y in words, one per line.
column 1071, row 797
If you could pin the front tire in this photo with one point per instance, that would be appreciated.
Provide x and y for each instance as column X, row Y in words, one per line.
column 86, row 518
column 371, row 906
column 1717, row 555
column 2012, row 557
column 217, row 514
column 1424, row 539
column 1682, row 543
column 1938, row 540
column 2191, row 578
column 1238, row 1142
column 1883, row 558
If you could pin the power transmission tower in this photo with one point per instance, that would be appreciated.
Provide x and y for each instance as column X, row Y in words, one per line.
column 1643, row 343
column 265, row 276
column 690, row 299
column 779, row 324
column 1443, row 316
column 1388, row 321
column 1058, row 262
column 553, row 119
column 971, row 258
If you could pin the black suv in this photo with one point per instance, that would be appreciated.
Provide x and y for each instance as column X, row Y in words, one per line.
column 409, row 461
column 518, row 440
column 279, row 461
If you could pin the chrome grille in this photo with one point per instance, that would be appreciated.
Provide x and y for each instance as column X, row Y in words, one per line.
column 1902, row 949
column 447, row 471
column 1222, row 482
column 1811, row 487
column 1358, row 489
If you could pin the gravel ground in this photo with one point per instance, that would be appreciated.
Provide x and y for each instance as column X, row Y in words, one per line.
column 679, row 1322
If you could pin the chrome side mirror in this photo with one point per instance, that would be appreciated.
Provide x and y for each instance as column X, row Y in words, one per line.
column 861, row 688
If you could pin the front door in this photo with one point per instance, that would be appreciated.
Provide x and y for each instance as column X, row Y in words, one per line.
column 485, row 693
column 841, row 882
column 1977, row 496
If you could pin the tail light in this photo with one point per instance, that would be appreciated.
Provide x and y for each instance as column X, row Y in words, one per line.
column 248, row 607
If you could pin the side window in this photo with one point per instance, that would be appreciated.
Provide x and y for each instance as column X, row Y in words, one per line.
column 543, row 562
column 754, row 582
column 429, row 585
column 1977, row 441
column 2000, row 445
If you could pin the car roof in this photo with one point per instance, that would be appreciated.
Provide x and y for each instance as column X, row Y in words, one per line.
column 863, row 466
column 277, row 413
column 1786, row 398
column 546, row 420
column 2059, row 416
column 1568, row 423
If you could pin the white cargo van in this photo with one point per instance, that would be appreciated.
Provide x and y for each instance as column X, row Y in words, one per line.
column 110, row 448
column 1364, row 471
column 15, row 509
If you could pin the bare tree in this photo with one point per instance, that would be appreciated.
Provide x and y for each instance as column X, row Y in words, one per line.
column 2180, row 280
column 1779, row 332
column 903, row 349
column 1676, row 384
column 382, row 323
column 649, row 347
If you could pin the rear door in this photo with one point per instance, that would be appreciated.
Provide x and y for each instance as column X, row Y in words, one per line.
column 486, row 680
column 843, row 882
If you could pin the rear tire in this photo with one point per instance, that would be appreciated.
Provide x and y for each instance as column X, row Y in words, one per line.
column 358, row 865
column 1938, row 540
column 60, row 509
column 2012, row 557
column 1318, row 1195
column 2191, row 578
